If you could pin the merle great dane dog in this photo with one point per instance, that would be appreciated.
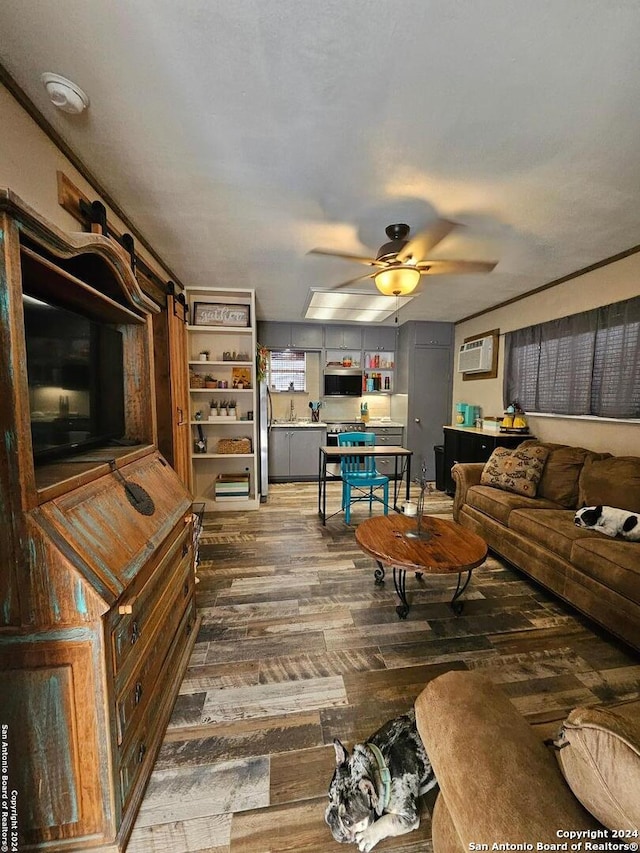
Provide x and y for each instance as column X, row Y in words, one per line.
column 374, row 791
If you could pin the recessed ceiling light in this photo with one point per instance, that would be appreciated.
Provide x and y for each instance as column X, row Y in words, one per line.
column 64, row 94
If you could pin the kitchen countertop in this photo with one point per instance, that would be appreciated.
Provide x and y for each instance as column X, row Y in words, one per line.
column 298, row 424
column 323, row 424
column 375, row 423
column 477, row 431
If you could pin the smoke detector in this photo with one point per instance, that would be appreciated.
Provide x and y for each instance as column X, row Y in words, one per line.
column 64, row 94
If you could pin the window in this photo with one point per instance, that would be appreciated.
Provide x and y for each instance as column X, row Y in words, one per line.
column 287, row 370
column 585, row 364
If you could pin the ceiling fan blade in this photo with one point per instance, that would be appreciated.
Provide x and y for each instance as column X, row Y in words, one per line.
column 351, row 281
column 454, row 267
column 423, row 242
column 347, row 256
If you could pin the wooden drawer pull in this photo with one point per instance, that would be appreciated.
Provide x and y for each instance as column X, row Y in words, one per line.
column 135, row 633
column 141, row 753
column 137, row 695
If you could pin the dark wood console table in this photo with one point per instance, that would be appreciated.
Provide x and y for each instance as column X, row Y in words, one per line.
column 468, row 444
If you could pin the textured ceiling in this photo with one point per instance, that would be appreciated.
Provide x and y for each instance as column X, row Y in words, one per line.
column 239, row 135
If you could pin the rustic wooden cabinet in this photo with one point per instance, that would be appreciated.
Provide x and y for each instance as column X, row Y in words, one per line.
column 96, row 556
column 172, row 385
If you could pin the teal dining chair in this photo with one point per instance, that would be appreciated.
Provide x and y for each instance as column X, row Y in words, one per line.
column 359, row 473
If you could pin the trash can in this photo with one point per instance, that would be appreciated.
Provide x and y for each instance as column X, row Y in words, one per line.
column 439, row 454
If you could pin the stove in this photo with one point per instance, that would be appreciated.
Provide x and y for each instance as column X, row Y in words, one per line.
column 333, row 431
column 343, row 426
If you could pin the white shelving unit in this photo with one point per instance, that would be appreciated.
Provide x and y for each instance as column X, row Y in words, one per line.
column 231, row 360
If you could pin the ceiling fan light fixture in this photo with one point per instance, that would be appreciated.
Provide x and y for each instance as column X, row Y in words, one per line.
column 397, row 280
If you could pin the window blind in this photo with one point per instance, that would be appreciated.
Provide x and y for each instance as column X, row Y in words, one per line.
column 287, row 370
column 585, row 364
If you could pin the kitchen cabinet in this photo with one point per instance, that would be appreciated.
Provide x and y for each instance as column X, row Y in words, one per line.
column 96, row 561
column 429, row 334
column 467, row 444
column 221, row 444
column 343, row 337
column 379, row 338
column 300, row 336
column 424, row 374
column 393, row 435
column 293, row 452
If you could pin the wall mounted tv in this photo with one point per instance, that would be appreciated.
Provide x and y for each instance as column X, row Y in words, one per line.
column 76, row 380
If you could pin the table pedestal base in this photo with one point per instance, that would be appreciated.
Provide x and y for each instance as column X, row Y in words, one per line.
column 456, row 605
column 400, row 583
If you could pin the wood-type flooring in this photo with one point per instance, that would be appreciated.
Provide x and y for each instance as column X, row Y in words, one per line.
column 298, row 646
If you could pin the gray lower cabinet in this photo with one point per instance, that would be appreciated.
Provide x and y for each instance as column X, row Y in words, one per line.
column 293, row 453
column 387, row 435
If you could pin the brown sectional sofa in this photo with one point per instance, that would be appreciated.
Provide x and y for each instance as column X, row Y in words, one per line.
column 598, row 575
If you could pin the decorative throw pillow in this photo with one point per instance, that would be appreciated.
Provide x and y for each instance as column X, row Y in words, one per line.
column 599, row 755
column 516, row 470
column 559, row 481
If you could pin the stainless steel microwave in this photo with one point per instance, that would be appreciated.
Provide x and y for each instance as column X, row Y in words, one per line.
column 343, row 382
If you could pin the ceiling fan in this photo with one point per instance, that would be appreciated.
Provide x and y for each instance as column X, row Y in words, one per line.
column 401, row 262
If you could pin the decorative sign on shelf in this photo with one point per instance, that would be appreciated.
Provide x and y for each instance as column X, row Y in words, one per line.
column 241, row 377
column 220, row 314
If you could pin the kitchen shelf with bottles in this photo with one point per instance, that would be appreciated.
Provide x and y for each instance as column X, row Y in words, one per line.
column 379, row 371
column 343, row 358
column 222, row 371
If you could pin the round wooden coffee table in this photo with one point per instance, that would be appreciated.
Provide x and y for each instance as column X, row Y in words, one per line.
column 443, row 548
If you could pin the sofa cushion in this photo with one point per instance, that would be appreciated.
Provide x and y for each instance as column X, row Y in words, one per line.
column 599, row 756
column 516, row 470
column 614, row 481
column 561, row 475
column 553, row 529
column 613, row 563
column 498, row 504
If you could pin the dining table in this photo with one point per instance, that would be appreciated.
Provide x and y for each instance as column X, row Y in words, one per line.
column 402, row 470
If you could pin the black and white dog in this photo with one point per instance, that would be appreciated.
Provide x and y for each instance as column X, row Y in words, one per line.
column 374, row 791
column 610, row 520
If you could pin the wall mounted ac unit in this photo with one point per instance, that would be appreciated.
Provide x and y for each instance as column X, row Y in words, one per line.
column 476, row 356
